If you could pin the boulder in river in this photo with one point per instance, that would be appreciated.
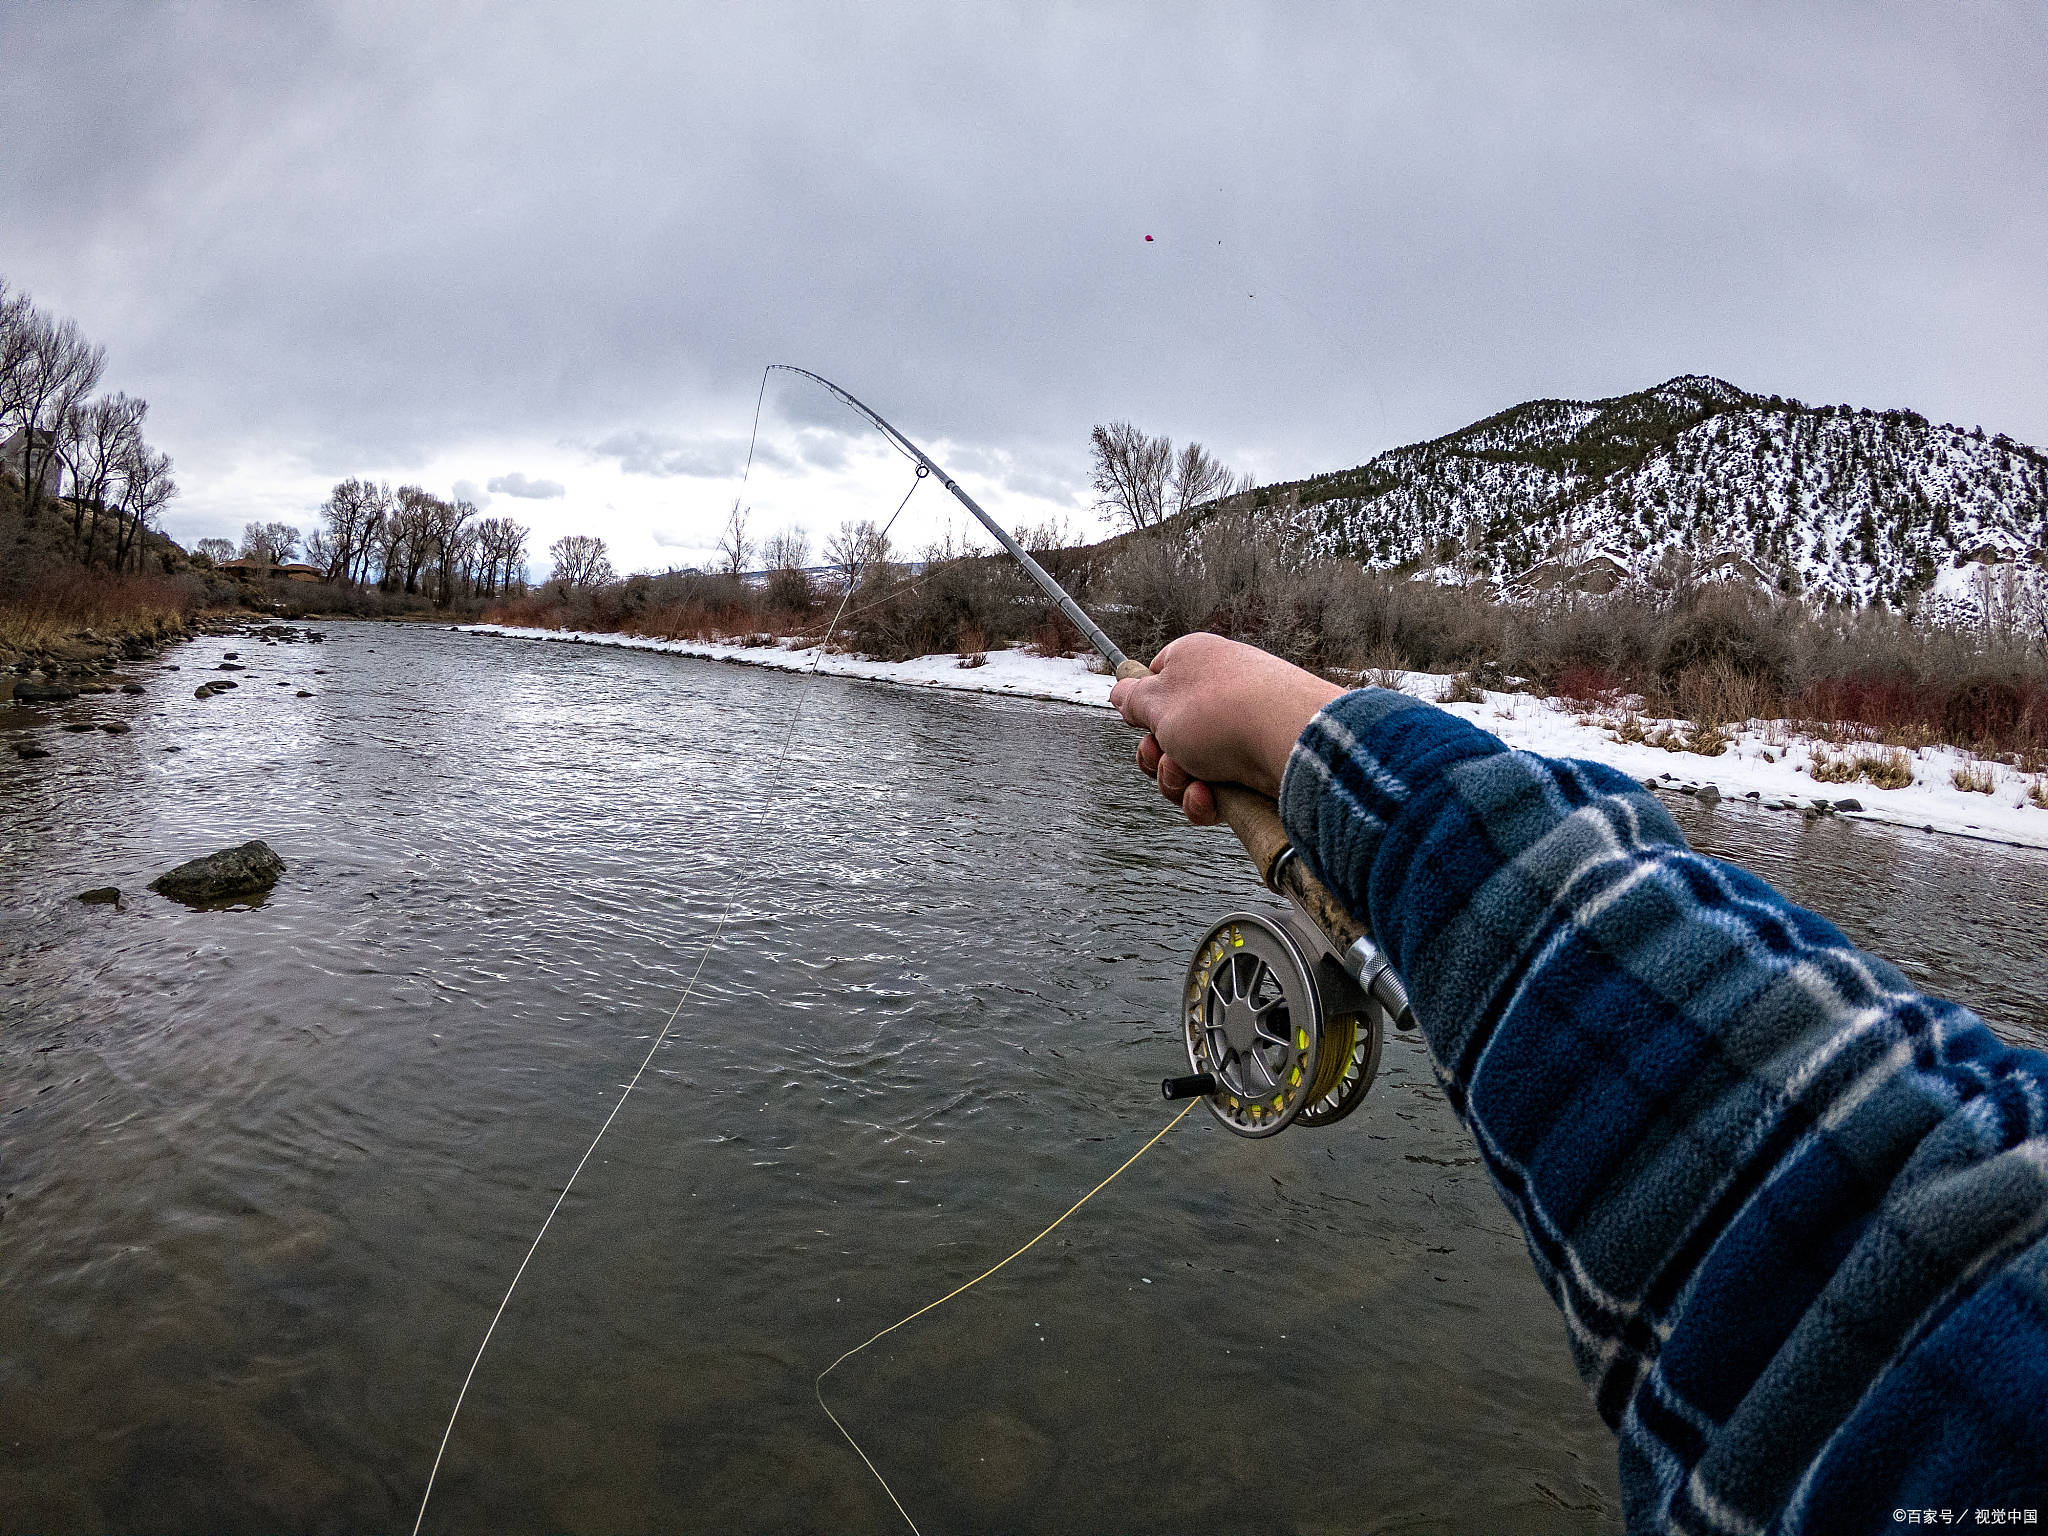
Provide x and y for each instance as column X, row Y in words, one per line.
column 1848, row 805
column 33, row 692
column 114, row 727
column 30, row 749
column 101, row 896
column 242, row 871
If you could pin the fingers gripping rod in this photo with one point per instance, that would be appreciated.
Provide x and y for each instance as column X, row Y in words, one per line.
column 1254, row 818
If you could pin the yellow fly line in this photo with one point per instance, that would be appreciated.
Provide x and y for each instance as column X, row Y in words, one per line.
column 930, row 1305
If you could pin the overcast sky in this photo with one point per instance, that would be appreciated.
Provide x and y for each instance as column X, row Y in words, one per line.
column 541, row 254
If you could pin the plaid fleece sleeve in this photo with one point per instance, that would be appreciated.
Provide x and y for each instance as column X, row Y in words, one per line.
column 1795, row 1213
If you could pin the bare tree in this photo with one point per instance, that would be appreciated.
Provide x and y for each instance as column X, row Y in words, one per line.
column 411, row 537
column 354, row 512
column 104, row 434
column 452, row 540
column 146, row 487
column 1129, row 473
column 856, row 550
column 580, row 561
column 789, row 550
column 502, row 545
column 50, row 369
column 1197, row 478
column 216, row 550
column 735, row 549
column 269, row 543
column 1143, row 481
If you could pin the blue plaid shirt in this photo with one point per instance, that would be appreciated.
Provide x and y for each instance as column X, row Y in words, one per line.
column 1794, row 1211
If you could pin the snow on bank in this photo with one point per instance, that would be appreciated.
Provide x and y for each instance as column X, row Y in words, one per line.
column 1063, row 679
column 1763, row 763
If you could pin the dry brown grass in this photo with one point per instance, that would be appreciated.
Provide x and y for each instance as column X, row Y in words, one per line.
column 2037, row 793
column 1461, row 690
column 1388, row 678
column 1701, row 740
column 1975, row 778
column 57, row 603
column 1888, row 769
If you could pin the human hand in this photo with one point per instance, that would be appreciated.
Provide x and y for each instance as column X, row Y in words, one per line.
column 1218, row 712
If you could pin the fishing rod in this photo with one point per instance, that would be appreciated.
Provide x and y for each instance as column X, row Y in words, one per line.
column 1283, row 1018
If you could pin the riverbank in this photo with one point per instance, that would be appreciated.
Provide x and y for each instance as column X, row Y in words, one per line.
column 1764, row 762
column 52, row 667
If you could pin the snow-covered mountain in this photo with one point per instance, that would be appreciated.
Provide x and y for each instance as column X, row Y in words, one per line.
column 1827, row 501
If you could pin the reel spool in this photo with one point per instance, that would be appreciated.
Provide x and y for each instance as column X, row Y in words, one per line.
column 1277, row 1033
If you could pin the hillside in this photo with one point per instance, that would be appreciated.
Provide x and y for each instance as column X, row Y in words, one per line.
column 1831, row 502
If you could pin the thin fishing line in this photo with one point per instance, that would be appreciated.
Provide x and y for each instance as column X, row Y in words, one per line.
column 731, row 893
column 819, row 1385
column 752, row 437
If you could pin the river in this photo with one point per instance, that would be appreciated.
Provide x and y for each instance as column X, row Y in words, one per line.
column 265, row 1173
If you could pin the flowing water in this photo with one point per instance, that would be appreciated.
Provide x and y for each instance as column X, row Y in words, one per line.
column 265, row 1171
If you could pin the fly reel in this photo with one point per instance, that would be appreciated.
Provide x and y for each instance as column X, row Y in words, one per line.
column 1278, row 1031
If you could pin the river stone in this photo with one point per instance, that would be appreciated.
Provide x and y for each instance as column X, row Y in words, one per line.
column 80, row 725
column 114, row 727
column 43, row 693
column 1848, row 805
column 31, row 751
column 239, row 871
column 1709, row 795
column 131, row 688
column 101, row 896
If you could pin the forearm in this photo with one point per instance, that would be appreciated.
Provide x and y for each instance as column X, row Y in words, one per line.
column 1770, row 1186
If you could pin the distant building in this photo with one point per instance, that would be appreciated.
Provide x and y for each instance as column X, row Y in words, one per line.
column 14, row 459
column 289, row 570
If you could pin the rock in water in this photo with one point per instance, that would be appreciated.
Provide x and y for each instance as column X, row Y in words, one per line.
column 1848, row 805
column 33, row 692
column 239, row 871
column 101, row 896
column 1709, row 795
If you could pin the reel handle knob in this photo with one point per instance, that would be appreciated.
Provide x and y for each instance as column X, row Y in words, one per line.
column 1196, row 1085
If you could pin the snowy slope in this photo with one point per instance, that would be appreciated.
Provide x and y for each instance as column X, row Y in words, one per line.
column 1834, row 503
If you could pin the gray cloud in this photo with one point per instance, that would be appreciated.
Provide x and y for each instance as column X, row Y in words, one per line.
column 516, row 484
column 329, row 233
column 641, row 452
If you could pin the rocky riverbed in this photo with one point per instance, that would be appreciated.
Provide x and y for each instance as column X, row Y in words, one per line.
column 40, row 686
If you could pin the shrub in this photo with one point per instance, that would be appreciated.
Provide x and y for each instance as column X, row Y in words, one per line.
column 48, row 602
column 1891, row 769
column 1974, row 778
column 1461, row 689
